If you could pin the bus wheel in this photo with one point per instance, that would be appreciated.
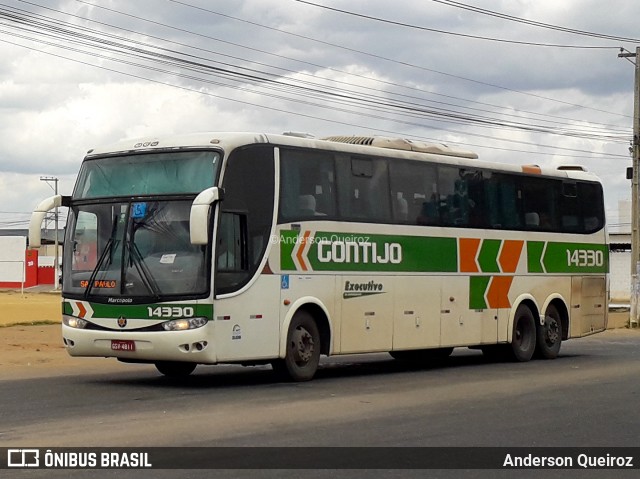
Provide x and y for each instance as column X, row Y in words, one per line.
column 175, row 369
column 549, row 334
column 303, row 349
column 523, row 343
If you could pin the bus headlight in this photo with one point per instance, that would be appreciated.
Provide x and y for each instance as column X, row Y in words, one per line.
column 184, row 324
column 76, row 323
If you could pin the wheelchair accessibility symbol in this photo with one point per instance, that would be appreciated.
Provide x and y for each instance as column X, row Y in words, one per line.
column 284, row 282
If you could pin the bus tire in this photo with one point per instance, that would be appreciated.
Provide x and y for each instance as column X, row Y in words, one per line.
column 175, row 369
column 303, row 349
column 549, row 334
column 523, row 343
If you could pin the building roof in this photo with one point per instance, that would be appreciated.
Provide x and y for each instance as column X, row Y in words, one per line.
column 48, row 235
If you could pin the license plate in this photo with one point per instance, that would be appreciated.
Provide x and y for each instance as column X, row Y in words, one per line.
column 123, row 345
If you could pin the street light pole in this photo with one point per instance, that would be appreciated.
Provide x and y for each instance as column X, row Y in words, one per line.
column 635, row 189
column 56, row 260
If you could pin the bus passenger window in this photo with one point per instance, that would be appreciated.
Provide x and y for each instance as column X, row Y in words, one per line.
column 413, row 188
column 307, row 188
column 364, row 189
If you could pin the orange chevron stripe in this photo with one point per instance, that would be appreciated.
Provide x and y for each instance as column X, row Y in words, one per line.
column 468, row 252
column 299, row 254
column 510, row 255
column 497, row 293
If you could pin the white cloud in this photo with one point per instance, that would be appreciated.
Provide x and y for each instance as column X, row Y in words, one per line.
column 52, row 110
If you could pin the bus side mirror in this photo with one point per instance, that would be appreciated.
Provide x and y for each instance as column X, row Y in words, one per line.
column 199, row 216
column 38, row 215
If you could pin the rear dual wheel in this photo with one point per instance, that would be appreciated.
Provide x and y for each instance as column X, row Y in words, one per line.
column 549, row 334
column 523, row 342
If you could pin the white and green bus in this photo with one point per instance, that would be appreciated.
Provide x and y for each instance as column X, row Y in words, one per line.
column 255, row 249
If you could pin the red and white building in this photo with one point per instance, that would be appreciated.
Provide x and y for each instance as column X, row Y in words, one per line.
column 21, row 267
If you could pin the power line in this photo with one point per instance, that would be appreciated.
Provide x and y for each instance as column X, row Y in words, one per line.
column 380, row 57
column 372, row 55
column 407, row 109
column 534, row 23
column 481, row 82
column 446, row 32
column 371, row 103
column 280, row 110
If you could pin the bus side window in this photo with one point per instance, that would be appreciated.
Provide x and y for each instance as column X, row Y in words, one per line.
column 306, row 186
column 364, row 189
column 231, row 247
column 591, row 201
column 570, row 208
column 455, row 204
column 245, row 218
column 413, row 187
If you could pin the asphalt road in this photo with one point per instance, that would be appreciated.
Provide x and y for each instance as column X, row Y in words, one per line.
column 588, row 397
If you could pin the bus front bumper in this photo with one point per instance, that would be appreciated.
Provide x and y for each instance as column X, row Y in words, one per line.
column 191, row 345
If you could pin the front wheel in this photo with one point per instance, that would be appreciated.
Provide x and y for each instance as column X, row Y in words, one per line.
column 523, row 343
column 303, row 349
column 549, row 334
column 175, row 369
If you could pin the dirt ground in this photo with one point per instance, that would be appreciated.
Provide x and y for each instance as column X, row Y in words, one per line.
column 29, row 307
column 30, row 340
column 31, row 343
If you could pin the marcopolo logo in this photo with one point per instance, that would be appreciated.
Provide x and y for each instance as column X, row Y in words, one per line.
column 356, row 290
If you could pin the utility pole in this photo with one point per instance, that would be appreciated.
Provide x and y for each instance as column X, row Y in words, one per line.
column 56, row 260
column 635, row 177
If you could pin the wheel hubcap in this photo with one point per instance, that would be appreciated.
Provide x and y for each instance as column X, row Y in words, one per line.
column 302, row 345
column 553, row 333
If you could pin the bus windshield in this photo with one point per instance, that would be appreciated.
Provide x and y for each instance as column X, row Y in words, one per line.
column 183, row 172
column 137, row 249
column 128, row 227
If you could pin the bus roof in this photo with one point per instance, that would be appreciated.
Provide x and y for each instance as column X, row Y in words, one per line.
column 360, row 144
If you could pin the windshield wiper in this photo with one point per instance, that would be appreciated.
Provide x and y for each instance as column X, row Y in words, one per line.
column 106, row 252
column 143, row 271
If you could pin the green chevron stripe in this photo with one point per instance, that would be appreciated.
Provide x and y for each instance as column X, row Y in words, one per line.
column 477, row 288
column 488, row 256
